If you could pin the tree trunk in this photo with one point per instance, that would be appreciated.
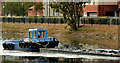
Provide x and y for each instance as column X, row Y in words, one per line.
column 73, row 26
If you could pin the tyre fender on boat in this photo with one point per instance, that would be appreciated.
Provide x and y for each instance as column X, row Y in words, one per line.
column 9, row 46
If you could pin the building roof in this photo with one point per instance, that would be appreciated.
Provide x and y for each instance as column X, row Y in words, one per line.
column 31, row 8
column 36, row 29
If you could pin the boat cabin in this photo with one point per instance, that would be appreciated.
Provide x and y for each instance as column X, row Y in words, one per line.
column 37, row 33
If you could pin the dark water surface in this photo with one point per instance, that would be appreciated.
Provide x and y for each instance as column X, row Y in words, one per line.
column 25, row 59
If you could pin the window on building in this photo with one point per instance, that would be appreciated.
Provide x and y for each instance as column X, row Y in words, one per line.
column 53, row 13
column 109, row 13
column 57, row 14
column 92, row 14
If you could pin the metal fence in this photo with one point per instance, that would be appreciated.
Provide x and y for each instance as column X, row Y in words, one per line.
column 50, row 20
column 100, row 20
column 33, row 20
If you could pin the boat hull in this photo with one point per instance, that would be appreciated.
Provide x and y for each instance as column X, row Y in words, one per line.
column 30, row 46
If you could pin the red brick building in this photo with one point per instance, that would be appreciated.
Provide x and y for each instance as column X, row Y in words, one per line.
column 104, row 9
column 32, row 12
column 91, row 10
column 107, row 10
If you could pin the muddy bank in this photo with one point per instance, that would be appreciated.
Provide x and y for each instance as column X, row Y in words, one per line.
column 86, row 36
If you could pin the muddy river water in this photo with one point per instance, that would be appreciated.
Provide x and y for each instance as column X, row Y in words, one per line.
column 25, row 56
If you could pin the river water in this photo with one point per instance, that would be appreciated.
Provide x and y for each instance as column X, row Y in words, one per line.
column 37, row 57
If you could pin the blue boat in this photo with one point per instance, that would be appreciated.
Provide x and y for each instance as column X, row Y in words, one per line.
column 37, row 38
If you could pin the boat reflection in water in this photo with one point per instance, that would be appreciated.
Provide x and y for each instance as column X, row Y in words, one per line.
column 25, row 59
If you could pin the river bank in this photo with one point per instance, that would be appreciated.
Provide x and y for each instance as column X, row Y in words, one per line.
column 86, row 37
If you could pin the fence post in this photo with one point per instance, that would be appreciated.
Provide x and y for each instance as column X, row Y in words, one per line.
column 54, row 20
column 49, row 19
column 3, row 20
column 23, row 20
column 19, row 20
column 117, row 21
column 42, row 20
column 81, row 21
column 78, row 22
column 61, row 20
column 109, row 22
column 100, row 21
column 13, row 20
column 57, row 21
column 35, row 20
column 84, row 21
column 29, row 20
column 92, row 21
column 8, row 20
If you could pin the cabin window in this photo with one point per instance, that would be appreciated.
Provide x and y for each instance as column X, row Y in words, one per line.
column 44, row 34
column 41, row 34
column 30, row 33
column 34, row 34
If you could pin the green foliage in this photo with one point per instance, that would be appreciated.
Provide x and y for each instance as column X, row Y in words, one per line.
column 38, row 6
column 16, row 8
column 113, row 21
column 12, row 8
column 71, row 11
